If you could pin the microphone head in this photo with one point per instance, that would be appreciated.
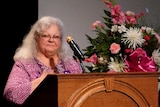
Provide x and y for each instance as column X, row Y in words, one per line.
column 75, row 48
column 69, row 38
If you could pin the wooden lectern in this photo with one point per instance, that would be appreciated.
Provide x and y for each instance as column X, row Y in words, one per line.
column 97, row 90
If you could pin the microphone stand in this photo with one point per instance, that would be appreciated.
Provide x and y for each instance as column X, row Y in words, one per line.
column 82, row 66
column 81, row 63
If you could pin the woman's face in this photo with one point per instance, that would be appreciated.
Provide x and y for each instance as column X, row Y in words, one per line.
column 49, row 41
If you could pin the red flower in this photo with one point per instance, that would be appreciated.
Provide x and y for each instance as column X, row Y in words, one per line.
column 128, row 50
column 142, row 13
column 146, row 43
column 147, row 38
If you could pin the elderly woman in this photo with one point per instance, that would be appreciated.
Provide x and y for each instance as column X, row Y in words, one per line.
column 41, row 53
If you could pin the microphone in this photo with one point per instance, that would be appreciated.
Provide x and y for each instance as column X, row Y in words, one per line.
column 75, row 48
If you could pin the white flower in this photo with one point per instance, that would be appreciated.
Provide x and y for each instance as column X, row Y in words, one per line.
column 121, row 29
column 116, row 66
column 102, row 60
column 133, row 37
column 148, row 30
column 130, row 13
column 143, row 27
column 114, row 28
column 94, row 66
column 156, row 56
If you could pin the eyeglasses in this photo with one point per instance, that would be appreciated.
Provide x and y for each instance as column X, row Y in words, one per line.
column 47, row 37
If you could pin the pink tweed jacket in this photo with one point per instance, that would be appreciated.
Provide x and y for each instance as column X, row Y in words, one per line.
column 18, row 86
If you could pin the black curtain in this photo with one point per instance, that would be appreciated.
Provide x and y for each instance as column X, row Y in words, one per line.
column 16, row 20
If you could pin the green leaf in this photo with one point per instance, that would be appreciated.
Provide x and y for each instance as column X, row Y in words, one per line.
column 107, row 13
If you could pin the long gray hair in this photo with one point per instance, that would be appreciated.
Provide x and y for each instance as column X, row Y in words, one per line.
column 28, row 50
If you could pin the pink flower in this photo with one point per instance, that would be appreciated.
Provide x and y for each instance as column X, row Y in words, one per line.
column 109, row 5
column 96, row 24
column 116, row 10
column 118, row 17
column 115, row 48
column 93, row 59
column 131, row 20
column 158, row 37
column 139, row 61
column 130, row 17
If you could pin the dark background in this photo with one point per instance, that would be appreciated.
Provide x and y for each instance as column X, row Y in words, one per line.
column 17, row 16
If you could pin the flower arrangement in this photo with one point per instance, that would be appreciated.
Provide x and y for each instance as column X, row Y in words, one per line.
column 122, row 44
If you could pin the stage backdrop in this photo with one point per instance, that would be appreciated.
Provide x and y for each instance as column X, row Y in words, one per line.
column 78, row 15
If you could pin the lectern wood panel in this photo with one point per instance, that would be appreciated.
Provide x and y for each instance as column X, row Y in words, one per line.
column 97, row 90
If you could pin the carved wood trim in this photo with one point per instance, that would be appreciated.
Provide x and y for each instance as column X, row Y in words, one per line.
column 108, row 85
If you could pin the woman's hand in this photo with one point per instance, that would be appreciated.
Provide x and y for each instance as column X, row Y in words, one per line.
column 45, row 73
column 37, row 81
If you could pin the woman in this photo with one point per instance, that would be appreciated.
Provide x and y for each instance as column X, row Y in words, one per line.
column 41, row 53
